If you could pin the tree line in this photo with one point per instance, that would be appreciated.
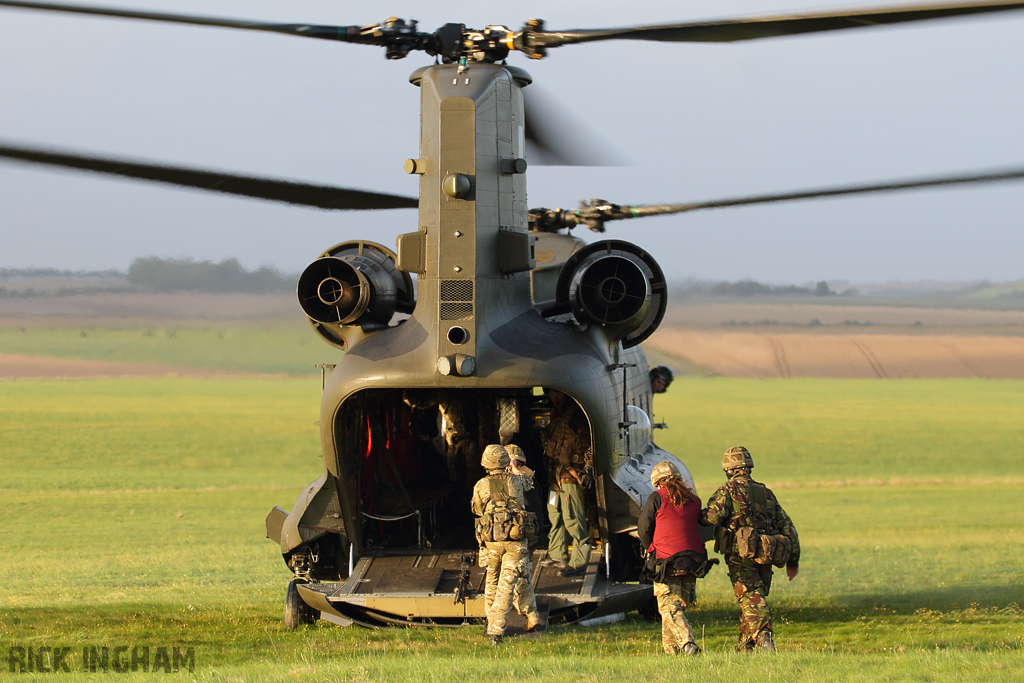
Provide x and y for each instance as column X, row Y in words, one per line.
column 156, row 274
column 752, row 288
column 149, row 274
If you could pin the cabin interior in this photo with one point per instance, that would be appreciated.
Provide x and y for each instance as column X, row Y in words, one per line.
column 411, row 457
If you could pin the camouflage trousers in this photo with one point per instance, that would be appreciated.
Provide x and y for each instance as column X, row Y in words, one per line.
column 674, row 596
column 751, row 583
column 508, row 567
column 523, row 598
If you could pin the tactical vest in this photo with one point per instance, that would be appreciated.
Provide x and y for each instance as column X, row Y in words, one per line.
column 503, row 518
column 751, row 531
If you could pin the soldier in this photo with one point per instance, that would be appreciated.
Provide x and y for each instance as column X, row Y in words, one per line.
column 567, row 446
column 753, row 532
column 523, row 597
column 498, row 502
column 676, row 557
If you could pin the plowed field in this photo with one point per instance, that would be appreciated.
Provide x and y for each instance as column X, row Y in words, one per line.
column 886, row 356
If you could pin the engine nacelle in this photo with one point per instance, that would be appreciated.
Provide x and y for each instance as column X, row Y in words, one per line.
column 353, row 284
column 616, row 285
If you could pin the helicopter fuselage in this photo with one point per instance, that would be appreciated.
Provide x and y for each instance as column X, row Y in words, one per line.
column 407, row 410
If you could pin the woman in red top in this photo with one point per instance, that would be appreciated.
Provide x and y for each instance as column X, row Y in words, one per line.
column 675, row 554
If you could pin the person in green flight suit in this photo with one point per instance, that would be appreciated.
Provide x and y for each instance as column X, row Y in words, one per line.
column 567, row 447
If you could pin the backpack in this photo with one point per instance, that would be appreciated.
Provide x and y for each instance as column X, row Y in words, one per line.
column 503, row 518
column 755, row 537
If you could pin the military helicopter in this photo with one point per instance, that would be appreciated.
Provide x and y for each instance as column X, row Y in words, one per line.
column 456, row 338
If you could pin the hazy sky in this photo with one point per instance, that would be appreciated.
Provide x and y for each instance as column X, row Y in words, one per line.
column 698, row 121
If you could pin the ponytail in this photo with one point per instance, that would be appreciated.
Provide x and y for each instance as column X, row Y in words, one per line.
column 679, row 494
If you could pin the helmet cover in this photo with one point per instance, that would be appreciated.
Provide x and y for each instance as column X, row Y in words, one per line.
column 495, row 457
column 515, row 452
column 663, row 470
column 737, row 456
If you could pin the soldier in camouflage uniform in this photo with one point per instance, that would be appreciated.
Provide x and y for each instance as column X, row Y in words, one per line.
column 506, row 561
column 735, row 509
column 523, row 597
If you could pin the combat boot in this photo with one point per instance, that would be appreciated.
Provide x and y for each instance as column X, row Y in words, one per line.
column 557, row 564
column 532, row 622
column 496, row 640
column 691, row 648
column 745, row 646
column 765, row 642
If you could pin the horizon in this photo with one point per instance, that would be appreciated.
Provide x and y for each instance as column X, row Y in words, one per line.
column 698, row 121
column 925, row 286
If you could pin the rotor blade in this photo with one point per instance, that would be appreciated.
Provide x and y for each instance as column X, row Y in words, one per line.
column 767, row 26
column 657, row 209
column 348, row 34
column 302, row 194
column 555, row 138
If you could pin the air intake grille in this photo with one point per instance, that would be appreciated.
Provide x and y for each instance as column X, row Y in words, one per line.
column 456, row 299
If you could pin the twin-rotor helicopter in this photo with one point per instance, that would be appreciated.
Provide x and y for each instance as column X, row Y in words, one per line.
column 456, row 336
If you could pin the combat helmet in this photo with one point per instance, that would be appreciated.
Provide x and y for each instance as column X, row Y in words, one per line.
column 737, row 456
column 515, row 452
column 664, row 470
column 664, row 372
column 495, row 457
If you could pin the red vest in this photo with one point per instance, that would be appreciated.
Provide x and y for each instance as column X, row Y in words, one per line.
column 675, row 528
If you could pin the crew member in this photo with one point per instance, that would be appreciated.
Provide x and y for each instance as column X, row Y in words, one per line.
column 753, row 532
column 567, row 447
column 661, row 376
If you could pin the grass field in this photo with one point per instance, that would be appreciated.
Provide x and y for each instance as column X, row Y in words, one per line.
column 272, row 347
column 134, row 516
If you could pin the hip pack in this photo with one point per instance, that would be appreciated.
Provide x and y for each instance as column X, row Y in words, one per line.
column 762, row 548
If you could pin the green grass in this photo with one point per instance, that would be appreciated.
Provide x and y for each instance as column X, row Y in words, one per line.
column 134, row 515
column 829, row 431
column 112, row 435
column 267, row 348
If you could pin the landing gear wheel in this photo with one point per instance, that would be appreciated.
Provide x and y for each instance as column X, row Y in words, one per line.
column 296, row 611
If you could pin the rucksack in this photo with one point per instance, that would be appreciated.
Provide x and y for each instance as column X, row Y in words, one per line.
column 756, row 537
column 503, row 518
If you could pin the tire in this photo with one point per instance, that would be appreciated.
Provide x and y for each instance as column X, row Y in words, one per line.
column 296, row 611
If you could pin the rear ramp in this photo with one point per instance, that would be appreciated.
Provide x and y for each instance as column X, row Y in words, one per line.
column 446, row 589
